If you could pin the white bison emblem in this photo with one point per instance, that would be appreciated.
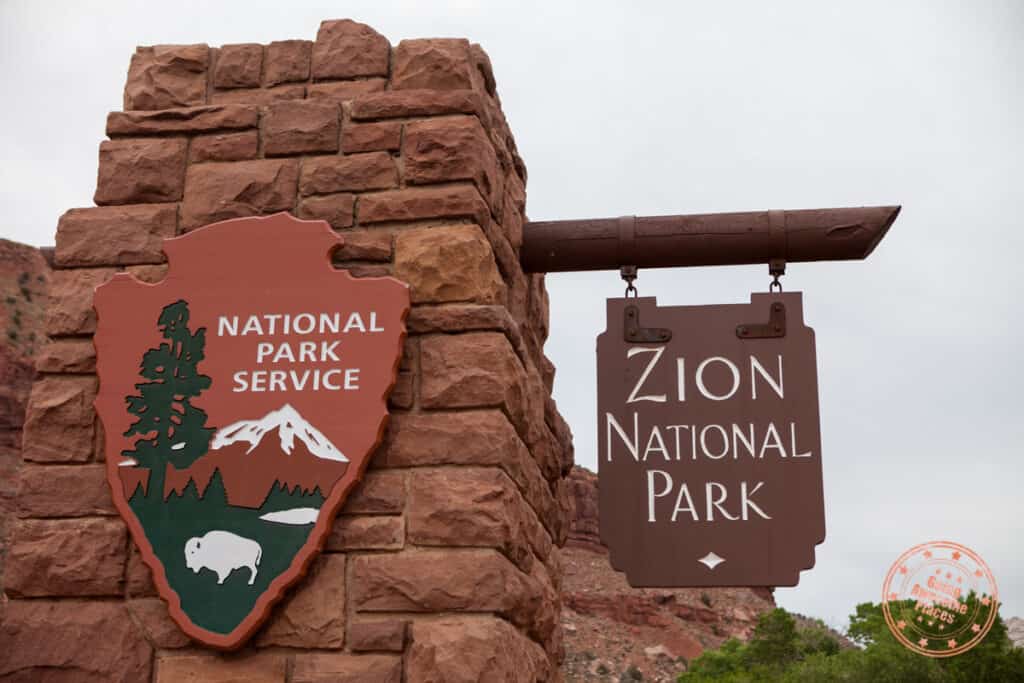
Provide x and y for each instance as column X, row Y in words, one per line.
column 222, row 552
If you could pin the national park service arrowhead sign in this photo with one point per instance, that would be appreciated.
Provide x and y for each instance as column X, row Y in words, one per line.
column 241, row 398
column 709, row 462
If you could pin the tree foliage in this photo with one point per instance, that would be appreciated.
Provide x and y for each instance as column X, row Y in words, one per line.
column 782, row 652
column 170, row 428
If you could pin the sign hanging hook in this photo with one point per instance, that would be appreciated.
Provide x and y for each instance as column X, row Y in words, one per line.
column 628, row 274
column 776, row 268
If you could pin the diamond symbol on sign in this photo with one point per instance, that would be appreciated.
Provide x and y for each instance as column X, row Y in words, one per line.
column 711, row 560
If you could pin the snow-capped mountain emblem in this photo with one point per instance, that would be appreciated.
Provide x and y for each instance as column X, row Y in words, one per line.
column 289, row 424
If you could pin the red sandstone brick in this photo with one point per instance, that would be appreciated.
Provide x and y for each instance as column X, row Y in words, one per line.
column 216, row 192
column 371, row 137
column 67, row 355
column 344, row 91
column 300, row 127
column 346, row 668
column 66, row 557
column 432, row 64
column 452, row 201
column 452, row 148
column 225, row 147
column 64, row 491
column 348, row 49
column 59, row 419
column 115, row 235
column 356, row 173
column 182, row 120
column 336, row 209
column 238, row 66
column 139, row 171
column 166, row 76
column 260, row 96
column 406, row 103
column 313, row 616
column 380, row 493
column 287, row 61
column 366, row 532
column 448, row 264
column 55, row 641
column 378, row 636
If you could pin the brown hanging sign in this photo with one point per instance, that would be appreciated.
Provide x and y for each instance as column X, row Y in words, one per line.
column 241, row 398
column 709, row 458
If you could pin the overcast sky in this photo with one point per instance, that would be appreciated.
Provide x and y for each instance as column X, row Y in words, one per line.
column 687, row 107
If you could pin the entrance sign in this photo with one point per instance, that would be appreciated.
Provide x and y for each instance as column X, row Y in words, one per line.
column 241, row 398
column 709, row 463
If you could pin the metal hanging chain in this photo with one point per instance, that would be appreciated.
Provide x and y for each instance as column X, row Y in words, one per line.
column 776, row 268
column 628, row 274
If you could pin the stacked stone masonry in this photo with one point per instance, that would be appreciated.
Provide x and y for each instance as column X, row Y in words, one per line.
column 444, row 564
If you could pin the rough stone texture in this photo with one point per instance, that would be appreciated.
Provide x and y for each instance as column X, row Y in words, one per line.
column 348, row 49
column 70, row 310
column 250, row 667
column 470, row 370
column 64, row 491
column 74, row 557
column 287, row 61
column 238, row 66
column 474, row 580
column 114, row 235
column 71, row 642
column 406, row 103
column 345, row 91
column 473, row 649
column 300, row 127
column 336, row 209
column 67, row 355
column 224, row 147
column 356, row 173
column 366, row 245
column 371, row 137
column 453, row 148
column 469, row 507
column 59, row 419
column 260, row 96
column 380, row 493
column 331, row 668
column 157, row 625
column 314, row 615
column 371, row 532
column 167, row 76
column 378, row 636
column 216, row 192
column 432, row 64
column 137, row 171
column 185, row 120
column 448, row 264
column 138, row 577
column 451, row 201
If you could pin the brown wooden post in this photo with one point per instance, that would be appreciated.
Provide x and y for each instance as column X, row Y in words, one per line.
column 716, row 239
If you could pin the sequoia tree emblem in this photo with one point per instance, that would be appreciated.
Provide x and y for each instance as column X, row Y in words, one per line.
column 241, row 398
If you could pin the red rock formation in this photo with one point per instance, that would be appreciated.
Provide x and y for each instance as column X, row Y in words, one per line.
column 610, row 626
column 24, row 279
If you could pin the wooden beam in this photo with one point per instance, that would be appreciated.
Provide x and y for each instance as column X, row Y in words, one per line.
column 715, row 239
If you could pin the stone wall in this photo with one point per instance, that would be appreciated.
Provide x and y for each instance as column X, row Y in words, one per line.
column 444, row 564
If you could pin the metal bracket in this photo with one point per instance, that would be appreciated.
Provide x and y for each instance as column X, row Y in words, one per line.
column 776, row 268
column 776, row 326
column 634, row 334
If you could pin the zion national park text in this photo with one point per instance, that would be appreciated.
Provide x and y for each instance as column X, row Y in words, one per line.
column 291, row 343
column 662, row 450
